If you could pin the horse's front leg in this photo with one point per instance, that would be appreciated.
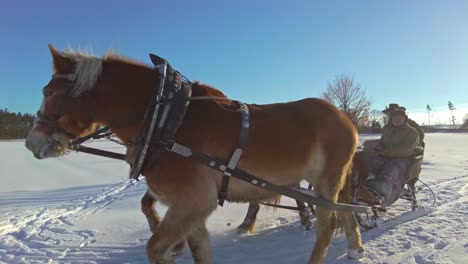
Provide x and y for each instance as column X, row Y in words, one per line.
column 199, row 244
column 248, row 226
column 178, row 223
column 148, row 209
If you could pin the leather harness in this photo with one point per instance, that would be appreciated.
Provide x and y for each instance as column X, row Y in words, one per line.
column 169, row 108
column 166, row 114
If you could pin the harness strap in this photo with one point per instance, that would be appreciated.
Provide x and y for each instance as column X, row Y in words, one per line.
column 99, row 152
column 100, row 133
column 299, row 193
column 287, row 207
column 135, row 172
column 237, row 154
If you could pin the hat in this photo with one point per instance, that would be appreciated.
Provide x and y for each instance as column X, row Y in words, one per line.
column 399, row 111
column 392, row 107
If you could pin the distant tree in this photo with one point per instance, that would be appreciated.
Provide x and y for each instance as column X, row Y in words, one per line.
column 350, row 98
column 451, row 108
column 429, row 109
column 465, row 123
column 15, row 125
column 376, row 126
column 378, row 116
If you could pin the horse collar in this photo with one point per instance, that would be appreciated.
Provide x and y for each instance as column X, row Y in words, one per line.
column 164, row 115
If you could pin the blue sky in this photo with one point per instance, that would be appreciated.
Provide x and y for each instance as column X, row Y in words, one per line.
column 409, row 52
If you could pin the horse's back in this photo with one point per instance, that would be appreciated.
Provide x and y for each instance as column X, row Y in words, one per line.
column 307, row 121
column 297, row 138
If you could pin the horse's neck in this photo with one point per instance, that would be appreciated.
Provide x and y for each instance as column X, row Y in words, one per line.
column 123, row 99
column 129, row 97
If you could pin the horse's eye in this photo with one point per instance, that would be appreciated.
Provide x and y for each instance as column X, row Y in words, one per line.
column 48, row 93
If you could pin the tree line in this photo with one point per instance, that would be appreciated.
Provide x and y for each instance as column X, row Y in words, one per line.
column 15, row 125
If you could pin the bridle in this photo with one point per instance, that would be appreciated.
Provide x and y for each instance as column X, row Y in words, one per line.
column 41, row 118
column 52, row 122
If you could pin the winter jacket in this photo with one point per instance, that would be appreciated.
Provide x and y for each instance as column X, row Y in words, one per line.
column 414, row 125
column 398, row 142
column 420, row 131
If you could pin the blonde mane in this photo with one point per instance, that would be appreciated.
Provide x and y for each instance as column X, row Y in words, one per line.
column 87, row 70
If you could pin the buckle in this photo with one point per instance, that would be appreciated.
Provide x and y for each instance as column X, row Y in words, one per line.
column 169, row 145
column 172, row 146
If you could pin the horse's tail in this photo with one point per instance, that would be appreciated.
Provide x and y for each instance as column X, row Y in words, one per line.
column 275, row 201
column 347, row 192
column 348, row 186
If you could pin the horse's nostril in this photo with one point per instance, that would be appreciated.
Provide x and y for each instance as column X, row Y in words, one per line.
column 37, row 156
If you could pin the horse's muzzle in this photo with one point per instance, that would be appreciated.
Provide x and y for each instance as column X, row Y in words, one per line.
column 41, row 146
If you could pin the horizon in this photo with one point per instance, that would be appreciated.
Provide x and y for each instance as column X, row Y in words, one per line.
column 410, row 53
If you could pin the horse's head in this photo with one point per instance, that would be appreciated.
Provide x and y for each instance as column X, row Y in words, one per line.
column 64, row 114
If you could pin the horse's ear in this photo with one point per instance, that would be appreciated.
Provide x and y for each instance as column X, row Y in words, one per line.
column 62, row 64
column 156, row 59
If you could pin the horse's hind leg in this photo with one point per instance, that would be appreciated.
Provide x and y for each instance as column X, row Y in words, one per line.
column 325, row 227
column 148, row 209
column 353, row 235
column 248, row 226
column 327, row 187
column 349, row 223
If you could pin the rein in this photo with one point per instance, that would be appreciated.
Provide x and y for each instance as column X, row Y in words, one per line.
column 287, row 207
column 106, row 132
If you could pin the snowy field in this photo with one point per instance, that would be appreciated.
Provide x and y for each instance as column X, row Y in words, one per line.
column 82, row 209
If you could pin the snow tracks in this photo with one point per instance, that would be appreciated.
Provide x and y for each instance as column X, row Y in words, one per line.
column 37, row 226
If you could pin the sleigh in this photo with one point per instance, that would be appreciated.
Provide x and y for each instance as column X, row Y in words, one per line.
column 363, row 195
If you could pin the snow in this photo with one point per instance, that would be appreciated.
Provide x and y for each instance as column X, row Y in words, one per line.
column 82, row 209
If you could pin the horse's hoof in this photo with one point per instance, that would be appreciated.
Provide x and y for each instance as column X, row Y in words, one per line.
column 161, row 261
column 355, row 253
column 307, row 226
column 243, row 229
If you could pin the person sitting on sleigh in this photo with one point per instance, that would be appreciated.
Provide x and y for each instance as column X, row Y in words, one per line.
column 390, row 163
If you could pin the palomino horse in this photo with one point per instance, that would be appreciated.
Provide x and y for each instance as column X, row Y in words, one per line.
column 308, row 139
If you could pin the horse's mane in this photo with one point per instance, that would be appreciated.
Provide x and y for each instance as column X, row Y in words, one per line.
column 205, row 90
column 88, row 68
column 199, row 89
